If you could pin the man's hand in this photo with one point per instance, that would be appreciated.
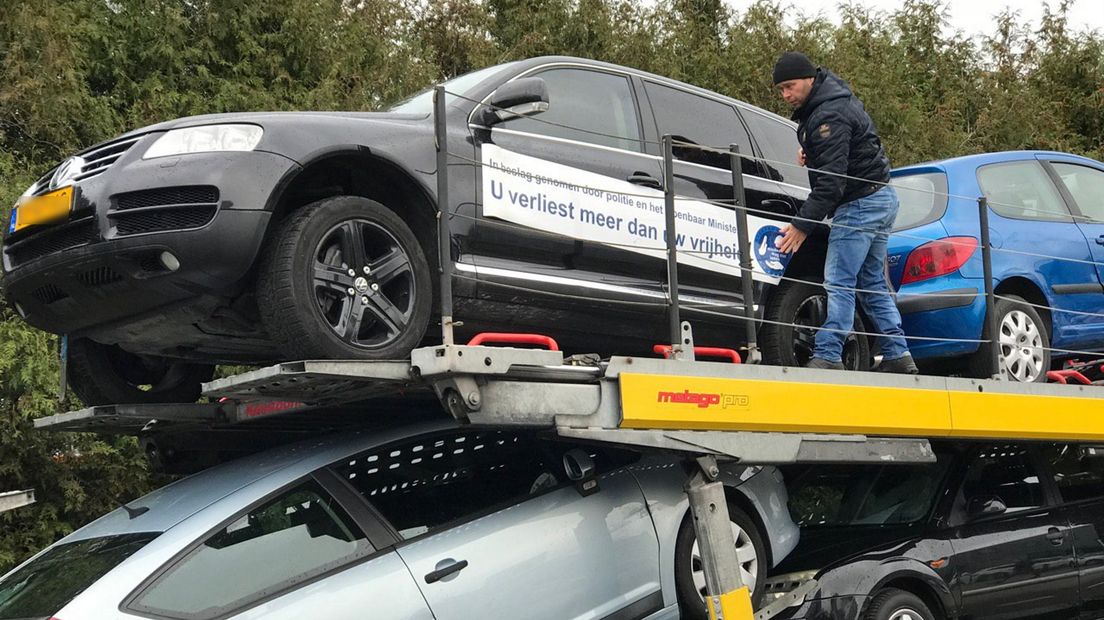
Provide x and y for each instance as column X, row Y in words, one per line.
column 791, row 239
column 800, row 157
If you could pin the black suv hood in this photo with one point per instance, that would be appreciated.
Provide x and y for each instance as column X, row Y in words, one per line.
column 261, row 118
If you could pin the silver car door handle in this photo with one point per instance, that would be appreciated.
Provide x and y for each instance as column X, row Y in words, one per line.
column 445, row 571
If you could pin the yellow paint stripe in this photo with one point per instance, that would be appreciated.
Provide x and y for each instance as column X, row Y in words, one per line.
column 706, row 403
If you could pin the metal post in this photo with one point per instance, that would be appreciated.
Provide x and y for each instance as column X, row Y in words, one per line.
column 677, row 347
column 726, row 595
column 739, row 201
column 990, row 298
column 444, row 246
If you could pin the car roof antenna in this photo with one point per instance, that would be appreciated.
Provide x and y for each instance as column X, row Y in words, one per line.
column 133, row 513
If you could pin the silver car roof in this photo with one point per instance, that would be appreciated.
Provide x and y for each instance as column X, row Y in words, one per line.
column 277, row 467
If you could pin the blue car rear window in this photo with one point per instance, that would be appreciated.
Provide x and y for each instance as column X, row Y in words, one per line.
column 45, row 585
column 923, row 199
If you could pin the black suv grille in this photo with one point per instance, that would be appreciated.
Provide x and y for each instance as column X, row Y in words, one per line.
column 53, row 240
column 166, row 208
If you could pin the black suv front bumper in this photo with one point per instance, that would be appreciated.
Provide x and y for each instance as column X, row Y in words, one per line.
column 106, row 265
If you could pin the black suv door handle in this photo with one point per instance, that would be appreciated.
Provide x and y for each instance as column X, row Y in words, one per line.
column 445, row 571
column 645, row 179
column 1055, row 536
column 777, row 204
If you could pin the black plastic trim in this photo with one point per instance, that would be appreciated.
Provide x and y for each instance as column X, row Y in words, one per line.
column 957, row 298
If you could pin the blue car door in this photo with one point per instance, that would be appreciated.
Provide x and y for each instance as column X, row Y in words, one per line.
column 1082, row 185
column 1035, row 237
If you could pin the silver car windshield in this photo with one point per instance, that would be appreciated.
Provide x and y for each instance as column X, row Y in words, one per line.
column 47, row 583
column 422, row 103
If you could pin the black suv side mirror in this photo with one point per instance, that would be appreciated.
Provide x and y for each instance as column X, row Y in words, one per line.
column 984, row 506
column 523, row 97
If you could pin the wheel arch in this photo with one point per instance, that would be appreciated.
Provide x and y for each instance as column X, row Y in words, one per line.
column 354, row 170
column 735, row 496
column 939, row 600
column 1033, row 293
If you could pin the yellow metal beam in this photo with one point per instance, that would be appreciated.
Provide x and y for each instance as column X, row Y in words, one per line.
column 734, row 605
column 969, row 410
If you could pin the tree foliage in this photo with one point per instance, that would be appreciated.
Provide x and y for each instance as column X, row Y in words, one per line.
column 75, row 72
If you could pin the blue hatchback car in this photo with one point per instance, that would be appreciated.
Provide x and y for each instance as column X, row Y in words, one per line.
column 1046, row 220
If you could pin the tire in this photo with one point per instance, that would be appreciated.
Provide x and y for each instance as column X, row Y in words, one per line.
column 1019, row 324
column 689, row 580
column 102, row 374
column 304, row 279
column 894, row 604
column 807, row 305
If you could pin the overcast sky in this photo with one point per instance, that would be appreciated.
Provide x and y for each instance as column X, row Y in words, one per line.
column 969, row 16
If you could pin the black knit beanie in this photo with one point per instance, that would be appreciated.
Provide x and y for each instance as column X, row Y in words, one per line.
column 793, row 66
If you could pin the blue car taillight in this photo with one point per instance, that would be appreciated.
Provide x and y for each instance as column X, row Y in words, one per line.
column 938, row 258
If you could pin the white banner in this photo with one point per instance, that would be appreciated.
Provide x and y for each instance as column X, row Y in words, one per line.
column 584, row 205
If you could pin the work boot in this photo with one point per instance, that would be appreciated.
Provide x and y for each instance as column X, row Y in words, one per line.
column 902, row 365
column 823, row 364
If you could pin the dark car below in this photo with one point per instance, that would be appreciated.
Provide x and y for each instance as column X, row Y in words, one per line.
column 988, row 531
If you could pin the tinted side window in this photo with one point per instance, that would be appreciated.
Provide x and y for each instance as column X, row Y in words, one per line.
column 295, row 537
column 694, row 119
column 778, row 141
column 1022, row 190
column 593, row 101
column 846, row 495
column 428, row 482
column 1077, row 477
column 1006, row 472
column 923, row 199
column 1086, row 185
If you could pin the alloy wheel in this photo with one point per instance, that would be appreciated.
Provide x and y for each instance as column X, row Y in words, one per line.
column 364, row 283
column 1021, row 349
column 906, row 614
column 810, row 315
column 745, row 554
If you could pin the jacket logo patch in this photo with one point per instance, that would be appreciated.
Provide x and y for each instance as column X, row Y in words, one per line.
column 824, row 131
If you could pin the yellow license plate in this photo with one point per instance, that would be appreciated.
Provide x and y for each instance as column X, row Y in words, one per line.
column 44, row 209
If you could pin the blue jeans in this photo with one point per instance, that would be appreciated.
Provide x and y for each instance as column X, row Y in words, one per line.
column 856, row 260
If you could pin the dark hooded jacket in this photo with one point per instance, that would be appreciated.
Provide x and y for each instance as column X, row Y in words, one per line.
column 838, row 136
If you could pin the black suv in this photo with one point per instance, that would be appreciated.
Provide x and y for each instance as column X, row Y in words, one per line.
column 992, row 530
column 257, row 237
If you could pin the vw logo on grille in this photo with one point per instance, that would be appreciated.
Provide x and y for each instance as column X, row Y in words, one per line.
column 68, row 169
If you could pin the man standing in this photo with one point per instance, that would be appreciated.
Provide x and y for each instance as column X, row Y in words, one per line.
column 848, row 175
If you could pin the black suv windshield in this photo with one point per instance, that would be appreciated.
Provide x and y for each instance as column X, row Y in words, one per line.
column 850, row 495
column 422, row 103
column 50, row 581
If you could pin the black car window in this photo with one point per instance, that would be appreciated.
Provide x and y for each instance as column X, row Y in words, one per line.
column 778, row 142
column 923, row 199
column 1086, row 185
column 299, row 535
column 1022, row 190
column 849, row 495
column 47, row 583
column 1078, row 477
column 693, row 119
column 598, row 103
column 1005, row 472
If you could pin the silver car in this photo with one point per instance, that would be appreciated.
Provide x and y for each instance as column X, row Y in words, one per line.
column 432, row 521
